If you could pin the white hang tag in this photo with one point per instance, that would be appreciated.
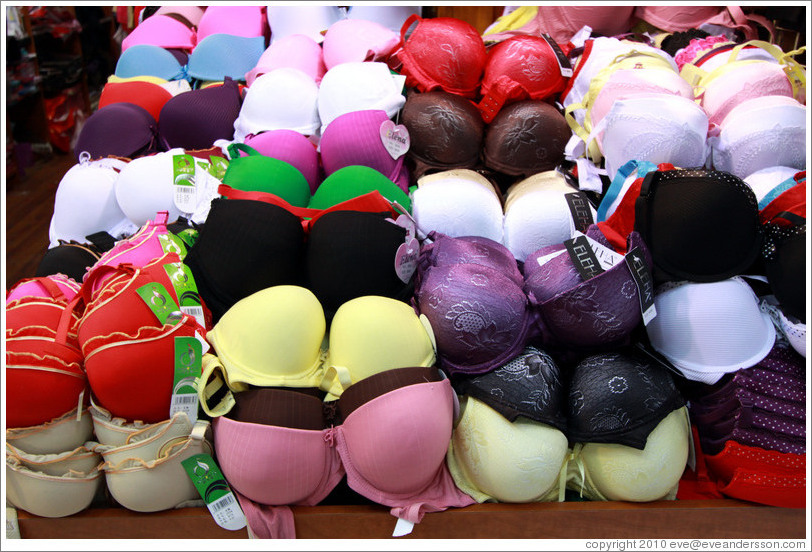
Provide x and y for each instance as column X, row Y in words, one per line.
column 395, row 138
column 589, row 176
column 406, row 259
column 606, row 256
column 402, row 528
column 12, row 525
column 183, row 179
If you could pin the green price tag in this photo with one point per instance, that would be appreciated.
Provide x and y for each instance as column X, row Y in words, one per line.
column 160, row 302
column 218, row 167
column 188, row 367
column 213, row 488
column 170, row 243
column 186, row 290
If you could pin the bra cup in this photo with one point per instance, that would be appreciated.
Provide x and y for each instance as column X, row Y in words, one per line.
column 457, row 208
column 394, row 445
column 272, row 337
column 619, row 472
column 261, row 471
column 479, row 316
column 370, row 334
column 742, row 82
column 492, row 459
column 446, row 251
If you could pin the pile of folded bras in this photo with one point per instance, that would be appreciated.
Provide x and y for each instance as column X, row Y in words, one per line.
column 416, row 266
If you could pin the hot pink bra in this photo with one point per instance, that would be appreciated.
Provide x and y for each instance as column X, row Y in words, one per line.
column 392, row 448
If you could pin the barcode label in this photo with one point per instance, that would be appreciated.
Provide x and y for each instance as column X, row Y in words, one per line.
column 195, row 311
column 185, row 197
column 186, row 403
column 221, row 503
column 185, row 399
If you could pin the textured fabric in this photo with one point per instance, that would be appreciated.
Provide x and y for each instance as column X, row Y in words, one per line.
column 354, row 138
column 221, row 55
column 619, row 398
column 521, row 67
column 480, row 317
column 372, row 334
column 496, row 460
column 446, row 131
column 196, row 119
column 603, row 471
column 121, row 130
column 444, row 53
column 152, row 97
column 351, row 254
column 161, row 30
column 458, row 203
column 692, row 328
column 245, row 21
column 528, row 385
column 149, row 60
column 597, row 312
column 785, row 261
column 258, row 173
column 285, row 98
column 395, row 461
column 759, row 133
column 245, row 246
column 297, row 51
column 699, row 225
column 442, row 250
column 358, row 40
column 353, row 181
column 525, row 138
column 357, row 86
column 69, row 258
column 764, row 182
column 292, row 147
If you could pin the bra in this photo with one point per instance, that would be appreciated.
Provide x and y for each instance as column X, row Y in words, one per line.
column 525, row 138
column 311, row 21
column 784, row 261
column 446, row 131
column 119, row 130
column 296, row 51
column 197, row 118
column 479, row 315
column 222, row 55
column 85, row 202
column 285, row 98
column 391, row 463
column 769, row 182
column 149, row 60
column 351, row 40
column 601, row 310
column 69, row 258
column 354, row 138
column 351, row 254
column 292, row 147
column 163, row 31
column 441, row 250
column 244, row 247
column 759, row 133
column 354, row 181
column 718, row 235
column 258, row 173
column 609, row 471
column 441, row 52
column 457, row 203
column 541, row 213
column 658, row 128
column 246, row 21
column 357, row 86
column 692, row 328
column 518, row 68
column 148, row 95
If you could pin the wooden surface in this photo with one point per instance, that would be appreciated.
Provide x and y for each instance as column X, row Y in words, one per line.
column 686, row 519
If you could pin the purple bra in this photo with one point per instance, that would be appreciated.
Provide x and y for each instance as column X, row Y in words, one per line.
column 573, row 312
column 443, row 250
column 479, row 315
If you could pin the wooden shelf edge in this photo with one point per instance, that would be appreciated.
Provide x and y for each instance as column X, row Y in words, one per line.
column 684, row 519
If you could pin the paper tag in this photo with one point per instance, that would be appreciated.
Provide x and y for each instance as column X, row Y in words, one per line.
column 188, row 367
column 218, row 166
column 583, row 257
column 564, row 64
column 407, row 222
column 406, row 259
column 606, row 256
column 645, row 283
column 395, row 138
column 402, row 528
column 186, row 289
column 170, row 243
column 213, row 488
column 549, row 257
column 159, row 301
column 188, row 236
column 580, row 210
column 183, row 178
column 12, row 525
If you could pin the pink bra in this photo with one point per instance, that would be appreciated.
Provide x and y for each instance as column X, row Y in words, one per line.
column 393, row 460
